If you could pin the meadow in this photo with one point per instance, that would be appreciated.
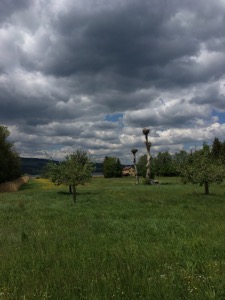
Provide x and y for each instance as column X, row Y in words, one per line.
column 120, row 241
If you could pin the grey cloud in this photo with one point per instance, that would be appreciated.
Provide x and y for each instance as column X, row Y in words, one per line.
column 212, row 96
column 8, row 7
column 66, row 65
column 143, row 40
column 178, row 114
column 122, row 41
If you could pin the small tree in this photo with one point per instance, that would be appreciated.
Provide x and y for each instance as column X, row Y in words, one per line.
column 75, row 170
column 216, row 148
column 164, row 164
column 112, row 167
column 202, row 169
column 9, row 160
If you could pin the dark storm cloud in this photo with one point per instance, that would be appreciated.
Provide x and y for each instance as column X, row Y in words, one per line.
column 130, row 41
column 8, row 7
column 139, row 39
column 212, row 97
column 66, row 65
column 154, row 41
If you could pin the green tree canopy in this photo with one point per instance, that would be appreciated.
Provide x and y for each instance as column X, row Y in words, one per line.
column 223, row 152
column 202, row 168
column 141, row 166
column 216, row 148
column 179, row 160
column 74, row 170
column 9, row 159
column 112, row 167
column 164, row 165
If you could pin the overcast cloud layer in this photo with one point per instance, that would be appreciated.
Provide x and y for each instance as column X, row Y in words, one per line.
column 91, row 74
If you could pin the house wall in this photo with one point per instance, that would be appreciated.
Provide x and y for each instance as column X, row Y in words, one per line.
column 129, row 171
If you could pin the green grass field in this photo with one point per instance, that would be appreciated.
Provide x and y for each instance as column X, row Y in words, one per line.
column 120, row 241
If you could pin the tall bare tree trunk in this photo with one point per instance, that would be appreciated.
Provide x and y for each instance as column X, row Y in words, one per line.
column 136, row 174
column 70, row 189
column 74, row 194
column 148, row 146
column 148, row 167
column 206, row 187
column 134, row 151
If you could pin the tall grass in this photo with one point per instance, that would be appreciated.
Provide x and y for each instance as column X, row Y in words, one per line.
column 121, row 241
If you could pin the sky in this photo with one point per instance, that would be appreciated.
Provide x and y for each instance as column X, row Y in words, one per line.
column 91, row 74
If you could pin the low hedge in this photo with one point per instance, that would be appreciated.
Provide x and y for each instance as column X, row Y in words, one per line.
column 14, row 185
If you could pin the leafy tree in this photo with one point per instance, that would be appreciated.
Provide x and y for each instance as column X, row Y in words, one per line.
column 179, row 160
column 216, row 148
column 201, row 168
column 118, row 168
column 141, row 166
column 52, row 170
column 112, row 167
column 223, row 152
column 9, row 159
column 74, row 170
column 164, row 164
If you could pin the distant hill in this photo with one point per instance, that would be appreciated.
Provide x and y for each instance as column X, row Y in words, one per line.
column 34, row 166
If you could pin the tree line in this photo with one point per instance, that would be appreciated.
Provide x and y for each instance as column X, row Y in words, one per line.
column 166, row 164
column 10, row 167
column 202, row 166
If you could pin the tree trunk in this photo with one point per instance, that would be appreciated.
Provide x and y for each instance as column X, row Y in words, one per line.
column 206, row 187
column 70, row 189
column 74, row 194
column 147, row 177
column 136, row 174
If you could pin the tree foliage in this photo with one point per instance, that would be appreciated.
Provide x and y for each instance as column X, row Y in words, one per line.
column 9, row 159
column 164, row 165
column 180, row 159
column 74, row 170
column 141, row 166
column 202, row 168
column 216, row 148
column 112, row 167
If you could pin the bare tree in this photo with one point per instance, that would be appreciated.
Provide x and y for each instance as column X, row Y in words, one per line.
column 134, row 151
column 148, row 146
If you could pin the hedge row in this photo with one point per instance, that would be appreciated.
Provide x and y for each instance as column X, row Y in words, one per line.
column 13, row 186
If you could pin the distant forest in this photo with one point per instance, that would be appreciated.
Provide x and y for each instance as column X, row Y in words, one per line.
column 35, row 166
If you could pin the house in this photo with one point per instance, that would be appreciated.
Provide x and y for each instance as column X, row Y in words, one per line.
column 128, row 171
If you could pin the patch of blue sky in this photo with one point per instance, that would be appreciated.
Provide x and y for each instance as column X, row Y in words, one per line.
column 220, row 115
column 193, row 146
column 113, row 117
